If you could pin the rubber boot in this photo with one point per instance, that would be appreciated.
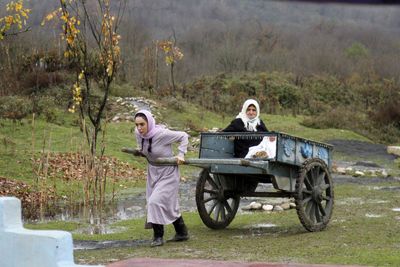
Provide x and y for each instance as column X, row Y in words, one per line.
column 181, row 231
column 158, row 235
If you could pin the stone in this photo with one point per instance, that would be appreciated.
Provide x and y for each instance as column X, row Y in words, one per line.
column 285, row 206
column 358, row 174
column 341, row 170
column 394, row 150
column 267, row 207
column 278, row 208
column 247, row 207
column 255, row 205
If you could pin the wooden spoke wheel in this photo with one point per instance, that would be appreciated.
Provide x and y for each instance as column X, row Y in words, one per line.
column 216, row 206
column 314, row 195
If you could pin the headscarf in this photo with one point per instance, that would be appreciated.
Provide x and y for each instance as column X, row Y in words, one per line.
column 152, row 127
column 250, row 124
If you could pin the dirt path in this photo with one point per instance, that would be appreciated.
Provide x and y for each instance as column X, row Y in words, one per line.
column 360, row 149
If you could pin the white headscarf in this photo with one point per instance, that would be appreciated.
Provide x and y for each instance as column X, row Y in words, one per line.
column 250, row 124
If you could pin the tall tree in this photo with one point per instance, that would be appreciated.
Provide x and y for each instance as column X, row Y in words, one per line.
column 90, row 33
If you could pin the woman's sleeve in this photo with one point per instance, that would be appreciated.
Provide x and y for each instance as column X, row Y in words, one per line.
column 170, row 137
column 232, row 127
column 138, row 142
column 263, row 128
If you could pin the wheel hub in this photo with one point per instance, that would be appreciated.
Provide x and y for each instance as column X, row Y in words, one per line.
column 221, row 196
column 317, row 194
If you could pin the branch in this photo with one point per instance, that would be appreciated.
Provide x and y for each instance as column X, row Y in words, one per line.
column 122, row 6
column 15, row 33
column 93, row 29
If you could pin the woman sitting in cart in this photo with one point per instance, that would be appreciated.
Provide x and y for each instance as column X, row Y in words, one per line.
column 246, row 121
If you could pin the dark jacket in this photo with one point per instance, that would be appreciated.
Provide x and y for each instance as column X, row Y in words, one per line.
column 241, row 146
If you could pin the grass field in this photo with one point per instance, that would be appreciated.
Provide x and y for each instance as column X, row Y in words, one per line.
column 363, row 230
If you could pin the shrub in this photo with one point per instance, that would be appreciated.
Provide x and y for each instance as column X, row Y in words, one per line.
column 175, row 103
column 125, row 90
column 37, row 81
column 387, row 114
column 15, row 107
column 339, row 118
column 45, row 106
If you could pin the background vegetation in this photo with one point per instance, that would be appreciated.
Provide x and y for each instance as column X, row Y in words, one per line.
column 337, row 64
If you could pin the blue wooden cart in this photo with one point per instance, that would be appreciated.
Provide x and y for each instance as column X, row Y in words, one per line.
column 297, row 168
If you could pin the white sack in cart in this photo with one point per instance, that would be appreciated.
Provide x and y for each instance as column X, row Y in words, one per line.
column 266, row 149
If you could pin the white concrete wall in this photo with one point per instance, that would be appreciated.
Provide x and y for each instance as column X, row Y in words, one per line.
column 20, row 247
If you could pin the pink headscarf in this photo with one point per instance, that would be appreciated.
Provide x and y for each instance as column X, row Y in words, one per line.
column 152, row 128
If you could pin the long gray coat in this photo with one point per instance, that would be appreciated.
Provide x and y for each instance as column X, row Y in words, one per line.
column 163, row 181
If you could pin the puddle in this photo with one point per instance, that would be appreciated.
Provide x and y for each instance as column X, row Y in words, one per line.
column 387, row 188
column 88, row 245
column 94, row 229
column 369, row 215
column 377, row 201
column 113, row 211
column 263, row 225
column 350, row 201
column 99, row 218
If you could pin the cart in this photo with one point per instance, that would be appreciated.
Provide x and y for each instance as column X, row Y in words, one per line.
column 296, row 167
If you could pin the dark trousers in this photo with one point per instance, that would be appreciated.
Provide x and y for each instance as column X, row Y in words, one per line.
column 180, row 227
column 158, row 230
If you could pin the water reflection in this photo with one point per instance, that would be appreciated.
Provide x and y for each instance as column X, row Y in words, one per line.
column 98, row 216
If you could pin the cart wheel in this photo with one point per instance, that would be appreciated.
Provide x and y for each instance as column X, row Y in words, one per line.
column 314, row 195
column 216, row 207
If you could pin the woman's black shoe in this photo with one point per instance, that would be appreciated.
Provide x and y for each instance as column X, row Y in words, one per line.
column 158, row 241
column 178, row 238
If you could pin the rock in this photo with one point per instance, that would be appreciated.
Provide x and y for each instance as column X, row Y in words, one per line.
column 247, row 207
column 213, row 130
column 341, row 170
column 292, row 205
column 358, row 174
column 278, row 208
column 349, row 169
column 385, row 173
column 267, row 207
column 255, row 205
column 285, row 206
column 394, row 150
column 130, row 118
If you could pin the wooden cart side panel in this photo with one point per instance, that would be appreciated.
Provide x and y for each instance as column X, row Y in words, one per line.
column 216, row 147
column 294, row 150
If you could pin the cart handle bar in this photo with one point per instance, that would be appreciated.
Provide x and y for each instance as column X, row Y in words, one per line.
column 202, row 163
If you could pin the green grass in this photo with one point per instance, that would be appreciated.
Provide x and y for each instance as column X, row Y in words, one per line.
column 292, row 125
column 20, row 141
column 350, row 238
